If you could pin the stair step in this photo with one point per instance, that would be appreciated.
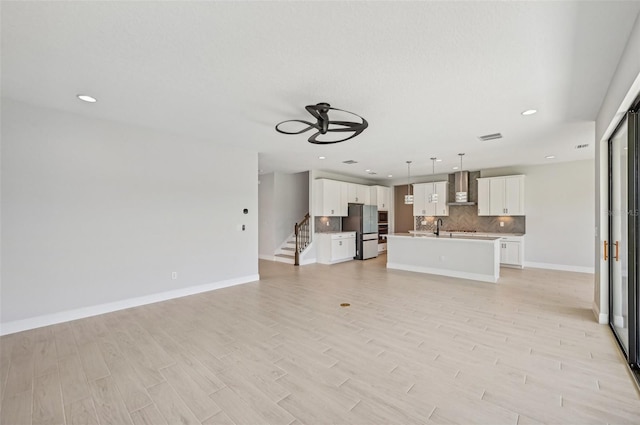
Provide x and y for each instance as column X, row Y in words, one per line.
column 284, row 258
column 286, row 248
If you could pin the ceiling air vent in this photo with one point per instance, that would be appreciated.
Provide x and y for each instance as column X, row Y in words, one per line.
column 351, row 161
column 372, row 172
column 586, row 145
column 488, row 137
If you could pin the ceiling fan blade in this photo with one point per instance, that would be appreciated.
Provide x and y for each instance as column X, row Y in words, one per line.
column 310, row 126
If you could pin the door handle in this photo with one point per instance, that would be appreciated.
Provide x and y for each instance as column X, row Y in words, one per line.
column 617, row 256
column 606, row 244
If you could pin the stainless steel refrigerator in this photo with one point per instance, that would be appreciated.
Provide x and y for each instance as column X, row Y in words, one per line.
column 363, row 219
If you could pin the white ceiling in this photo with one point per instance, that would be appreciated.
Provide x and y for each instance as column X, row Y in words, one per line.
column 428, row 76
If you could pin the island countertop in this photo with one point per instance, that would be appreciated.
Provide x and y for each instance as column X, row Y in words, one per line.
column 467, row 257
column 445, row 236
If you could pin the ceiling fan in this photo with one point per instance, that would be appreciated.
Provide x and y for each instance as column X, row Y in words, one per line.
column 324, row 125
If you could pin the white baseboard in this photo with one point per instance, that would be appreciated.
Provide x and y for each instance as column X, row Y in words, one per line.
column 619, row 322
column 443, row 272
column 81, row 313
column 304, row 262
column 563, row 267
column 603, row 318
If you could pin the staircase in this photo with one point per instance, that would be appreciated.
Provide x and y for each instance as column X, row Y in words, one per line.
column 287, row 251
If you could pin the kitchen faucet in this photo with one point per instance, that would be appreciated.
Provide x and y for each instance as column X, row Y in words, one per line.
column 438, row 224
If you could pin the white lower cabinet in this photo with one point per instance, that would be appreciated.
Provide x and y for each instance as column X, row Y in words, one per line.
column 512, row 251
column 335, row 247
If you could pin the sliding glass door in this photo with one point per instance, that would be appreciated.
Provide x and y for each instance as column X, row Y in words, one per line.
column 620, row 249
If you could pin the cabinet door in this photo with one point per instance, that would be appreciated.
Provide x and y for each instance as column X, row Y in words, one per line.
column 496, row 197
column 510, row 253
column 363, row 194
column 419, row 199
column 514, row 195
column 337, row 249
column 343, row 206
column 383, row 194
column 326, row 198
column 350, row 247
column 429, row 207
column 357, row 193
column 373, row 195
column 442, row 208
column 484, row 207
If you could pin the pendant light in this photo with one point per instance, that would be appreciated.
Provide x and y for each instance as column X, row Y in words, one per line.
column 433, row 197
column 408, row 198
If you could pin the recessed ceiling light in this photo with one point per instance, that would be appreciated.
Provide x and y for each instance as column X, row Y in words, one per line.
column 529, row 112
column 367, row 170
column 550, row 156
column 87, row 98
column 322, row 157
column 455, row 168
column 438, row 160
column 390, row 175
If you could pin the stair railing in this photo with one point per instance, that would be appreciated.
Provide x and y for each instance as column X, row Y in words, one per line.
column 302, row 231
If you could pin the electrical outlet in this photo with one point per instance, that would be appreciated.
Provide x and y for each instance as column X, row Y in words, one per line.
column 424, row 222
column 174, row 275
column 502, row 224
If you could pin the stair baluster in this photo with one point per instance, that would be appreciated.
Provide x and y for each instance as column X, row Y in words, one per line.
column 302, row 232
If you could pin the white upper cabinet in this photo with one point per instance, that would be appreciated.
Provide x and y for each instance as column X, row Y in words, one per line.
column 380, row 196
column 358, row 193
column 422, row 196
column 483, row 197
column 330, row 198
column 501, row 196
column 442, row 206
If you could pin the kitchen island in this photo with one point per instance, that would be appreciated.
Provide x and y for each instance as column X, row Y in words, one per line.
column 466, row 257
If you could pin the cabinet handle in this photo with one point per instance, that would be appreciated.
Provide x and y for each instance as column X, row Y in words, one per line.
column 606, row 244
column 340, row 243
column 617, row 256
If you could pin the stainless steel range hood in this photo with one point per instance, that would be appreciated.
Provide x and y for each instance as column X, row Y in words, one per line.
column 461, row 188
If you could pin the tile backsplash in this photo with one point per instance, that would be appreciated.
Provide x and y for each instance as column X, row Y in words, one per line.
column 465, row 217
column 328, row 224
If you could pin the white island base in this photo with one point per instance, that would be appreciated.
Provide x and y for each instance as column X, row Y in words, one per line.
column 475, row 258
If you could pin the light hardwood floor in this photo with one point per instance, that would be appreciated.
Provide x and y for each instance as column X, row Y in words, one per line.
column 411, row 348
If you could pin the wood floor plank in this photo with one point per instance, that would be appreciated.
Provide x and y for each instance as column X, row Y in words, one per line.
column 194, row 397
column 47, row 400
column 236, row 408
column 219, row 418
column 109, row 405
column 148, row 415
column 81, row 412
column 92, row 361
column 73, row 381
column 171, row 406
column 16, row 408
column 133, row 392
column 20, row 375
column 65, row 343
column 45, row 357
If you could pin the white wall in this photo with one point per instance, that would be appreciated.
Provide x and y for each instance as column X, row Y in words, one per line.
column 266, row 216
column 291, row 202
column 559, row 205
column 284, row 200
column 623, row 89
column 95, row 213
